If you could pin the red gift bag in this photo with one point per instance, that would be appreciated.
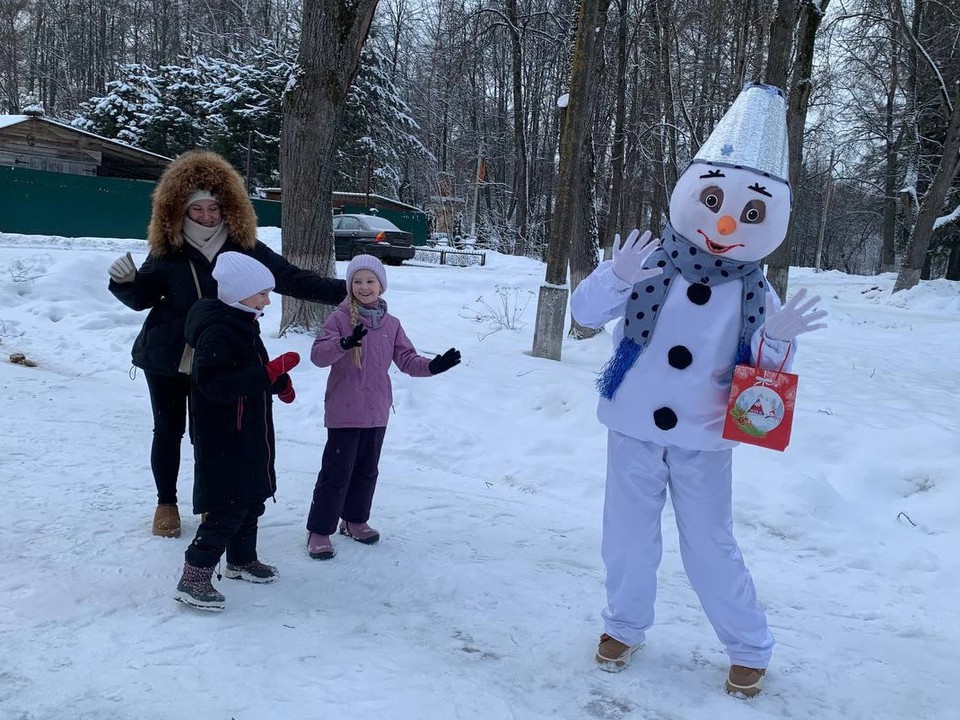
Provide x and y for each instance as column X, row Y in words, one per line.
column 760, row 407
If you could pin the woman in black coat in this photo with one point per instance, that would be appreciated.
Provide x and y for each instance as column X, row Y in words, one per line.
column 200, row 210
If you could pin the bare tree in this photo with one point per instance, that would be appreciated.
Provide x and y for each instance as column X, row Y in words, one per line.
column 333, row 36
column 921, row 216
column 913, row 260
column 578, row 120
column 811, row 14
column 616, row 222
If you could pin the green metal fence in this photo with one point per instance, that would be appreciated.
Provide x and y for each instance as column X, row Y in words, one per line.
column 35, row 202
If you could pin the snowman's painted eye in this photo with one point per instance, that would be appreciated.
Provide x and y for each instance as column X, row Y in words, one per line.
column 712, row 197
column 754, row 212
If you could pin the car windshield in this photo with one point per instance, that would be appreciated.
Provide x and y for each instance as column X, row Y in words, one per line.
column 379, row 223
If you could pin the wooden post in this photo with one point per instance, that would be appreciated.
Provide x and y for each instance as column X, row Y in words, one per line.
column 826, row 208
column 476, row 192
column 249, row 152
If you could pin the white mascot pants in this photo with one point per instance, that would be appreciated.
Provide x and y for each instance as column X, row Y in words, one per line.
column 700, row 483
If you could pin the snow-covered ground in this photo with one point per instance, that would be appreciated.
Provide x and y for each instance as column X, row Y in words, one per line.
column 483, row 598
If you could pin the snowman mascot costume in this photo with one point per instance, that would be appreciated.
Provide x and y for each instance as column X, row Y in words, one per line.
column 691, row 307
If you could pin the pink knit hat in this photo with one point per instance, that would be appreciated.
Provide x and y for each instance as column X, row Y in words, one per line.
column 367, row 262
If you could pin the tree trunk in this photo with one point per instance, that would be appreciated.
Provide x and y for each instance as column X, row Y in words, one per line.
column 781, row 43
column 520, row 188
column 798, row 100
column 912, row 263
column 333, row 34
column 585, row 245
column 552, row 303
column 661, row 92
column 888, row 255
column 615, row 218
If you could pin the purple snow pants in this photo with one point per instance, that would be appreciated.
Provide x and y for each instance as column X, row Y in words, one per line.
column 347, row 479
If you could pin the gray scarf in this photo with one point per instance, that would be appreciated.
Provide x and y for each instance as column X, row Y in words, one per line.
column 703, row 271
column 374, row 313
column 208, row 240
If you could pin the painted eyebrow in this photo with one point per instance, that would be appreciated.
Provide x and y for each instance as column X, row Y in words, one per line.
column 712, row 174
column 757, row 187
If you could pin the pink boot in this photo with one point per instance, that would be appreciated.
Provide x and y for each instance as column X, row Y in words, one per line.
column 361, row 532
column 320, row 547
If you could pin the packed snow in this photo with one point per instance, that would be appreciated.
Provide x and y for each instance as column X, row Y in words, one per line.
column 482, row 600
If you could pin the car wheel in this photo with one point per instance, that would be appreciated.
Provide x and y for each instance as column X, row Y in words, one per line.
column 357, row 250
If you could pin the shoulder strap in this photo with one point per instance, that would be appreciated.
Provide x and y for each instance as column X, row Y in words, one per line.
column 196, row 280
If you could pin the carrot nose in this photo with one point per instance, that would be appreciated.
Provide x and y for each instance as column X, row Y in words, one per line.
column 726, row 225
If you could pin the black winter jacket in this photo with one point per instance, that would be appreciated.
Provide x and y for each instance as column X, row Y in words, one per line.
column 165, row 284
column 231, row 400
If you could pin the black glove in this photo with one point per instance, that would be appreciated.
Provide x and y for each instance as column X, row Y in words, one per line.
column 354, row 339
column 442, row 363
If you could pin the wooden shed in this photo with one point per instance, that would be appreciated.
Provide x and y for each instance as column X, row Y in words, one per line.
column 39, row 143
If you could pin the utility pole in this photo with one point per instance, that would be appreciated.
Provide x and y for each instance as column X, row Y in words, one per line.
column 249, row 153
column 369, row 174
column 826, row 208
column 476, row 191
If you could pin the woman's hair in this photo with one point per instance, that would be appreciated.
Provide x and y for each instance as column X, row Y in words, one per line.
column 354, row 321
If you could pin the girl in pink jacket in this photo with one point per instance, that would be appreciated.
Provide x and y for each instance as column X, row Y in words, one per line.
column 358, row 342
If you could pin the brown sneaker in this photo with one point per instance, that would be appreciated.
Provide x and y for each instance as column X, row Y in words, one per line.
column 166, row 521
column 745, row 680
column 613, row 655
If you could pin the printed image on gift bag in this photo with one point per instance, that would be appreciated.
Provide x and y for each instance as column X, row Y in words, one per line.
column 760, row 406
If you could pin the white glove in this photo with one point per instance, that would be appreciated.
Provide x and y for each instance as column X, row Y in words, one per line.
column 628, row 260
column 793, row 318
column 123, row 270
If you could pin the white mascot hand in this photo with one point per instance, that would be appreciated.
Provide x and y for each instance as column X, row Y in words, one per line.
column 794, row 318
column 628, row 260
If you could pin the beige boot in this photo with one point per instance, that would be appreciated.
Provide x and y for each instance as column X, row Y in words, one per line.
column 166, row 521
column 613, row 655
column 745, row 680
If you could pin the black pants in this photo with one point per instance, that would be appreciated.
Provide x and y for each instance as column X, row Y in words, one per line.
column 169, row 398
column 347, row 479
column 233, row 529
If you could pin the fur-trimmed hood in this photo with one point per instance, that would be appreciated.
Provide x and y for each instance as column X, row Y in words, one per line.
column 199, row 170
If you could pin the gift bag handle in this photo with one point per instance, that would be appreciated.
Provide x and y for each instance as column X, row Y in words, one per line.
column 760, row 352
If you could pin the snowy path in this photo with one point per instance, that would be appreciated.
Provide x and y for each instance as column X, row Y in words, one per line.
column 483, row 599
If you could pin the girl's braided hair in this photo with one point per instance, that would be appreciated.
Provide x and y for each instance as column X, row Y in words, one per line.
column 354, row 321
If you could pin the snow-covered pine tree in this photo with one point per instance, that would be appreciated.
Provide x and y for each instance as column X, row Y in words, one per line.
column 120, row 113
column 379, row 134
column 176, row 122
column 157, row 110
column 243, row 109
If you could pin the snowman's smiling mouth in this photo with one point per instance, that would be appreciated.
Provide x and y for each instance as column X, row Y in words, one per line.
column 717, row 248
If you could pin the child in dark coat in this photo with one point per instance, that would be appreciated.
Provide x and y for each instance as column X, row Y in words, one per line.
column 357, row 405
column 232, row 384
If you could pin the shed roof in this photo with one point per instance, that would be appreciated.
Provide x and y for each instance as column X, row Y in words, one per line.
column 116, row 146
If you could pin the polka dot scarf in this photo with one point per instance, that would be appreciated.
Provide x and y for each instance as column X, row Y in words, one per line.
column 703, row 271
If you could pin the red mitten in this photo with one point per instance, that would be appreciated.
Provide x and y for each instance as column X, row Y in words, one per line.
column 288, row 394
column 278, row 366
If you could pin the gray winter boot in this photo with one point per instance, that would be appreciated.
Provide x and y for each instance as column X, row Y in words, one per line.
column 361, row 532
column 196, row 590
column 254, row 571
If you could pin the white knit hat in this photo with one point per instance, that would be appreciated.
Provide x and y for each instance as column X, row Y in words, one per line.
column 198, row 195
column 367, row 262
column 239, row 276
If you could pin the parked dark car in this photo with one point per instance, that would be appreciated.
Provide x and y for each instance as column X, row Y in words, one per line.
column 371, row 235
